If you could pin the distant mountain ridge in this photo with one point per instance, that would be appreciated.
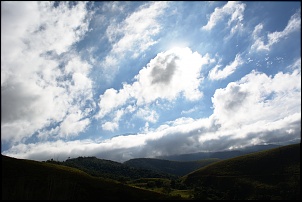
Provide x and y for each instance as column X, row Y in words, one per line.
column 169, row 167
column 219, row 154
column 166, row 166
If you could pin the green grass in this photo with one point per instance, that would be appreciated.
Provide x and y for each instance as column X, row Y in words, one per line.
column 33, row 180
column 186, row 194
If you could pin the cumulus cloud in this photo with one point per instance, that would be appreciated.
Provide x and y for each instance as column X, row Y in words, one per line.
column 169, row 75
column 217, row 74
column 293, row 25
column 233, row 10
column 258, row 97
column 135, row 34
column 44, row 83
column 253, row 110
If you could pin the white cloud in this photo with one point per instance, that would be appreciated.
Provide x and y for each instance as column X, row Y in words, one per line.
column 113, row 6
column 258, row 97
column 189, row 111
column 293, row 25
column 43, row 82
column 169, row 75
column 232, row 9
column 112, row 99
column 110, row 126
column 296, row 65
column 217, row 74
column 72, row 124
column 134, row 34
column 114, row 125
column 258, row 44
column 147, row 114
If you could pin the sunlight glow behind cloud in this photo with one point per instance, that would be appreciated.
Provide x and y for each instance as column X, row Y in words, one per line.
column 160, row 79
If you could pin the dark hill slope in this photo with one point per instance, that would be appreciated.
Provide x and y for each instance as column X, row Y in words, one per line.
column 178, row 168
column 33, row 180
column 270, row 174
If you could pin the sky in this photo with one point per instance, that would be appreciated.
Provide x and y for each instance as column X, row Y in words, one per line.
column 120, row 80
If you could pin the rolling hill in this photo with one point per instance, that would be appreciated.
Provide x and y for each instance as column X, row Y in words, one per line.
column 269, row 174
column 33, row 180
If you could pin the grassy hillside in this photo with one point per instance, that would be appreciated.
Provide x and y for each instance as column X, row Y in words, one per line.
column 178, row 168
column 30, row 180
column 270, row 174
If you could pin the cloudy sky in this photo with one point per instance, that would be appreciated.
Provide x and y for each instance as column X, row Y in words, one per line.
column 122, row 80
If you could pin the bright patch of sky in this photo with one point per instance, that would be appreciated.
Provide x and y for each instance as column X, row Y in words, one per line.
column 122, row 80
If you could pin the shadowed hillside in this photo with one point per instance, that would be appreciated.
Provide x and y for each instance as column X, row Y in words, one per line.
column 270, row 174
column 30, row 180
